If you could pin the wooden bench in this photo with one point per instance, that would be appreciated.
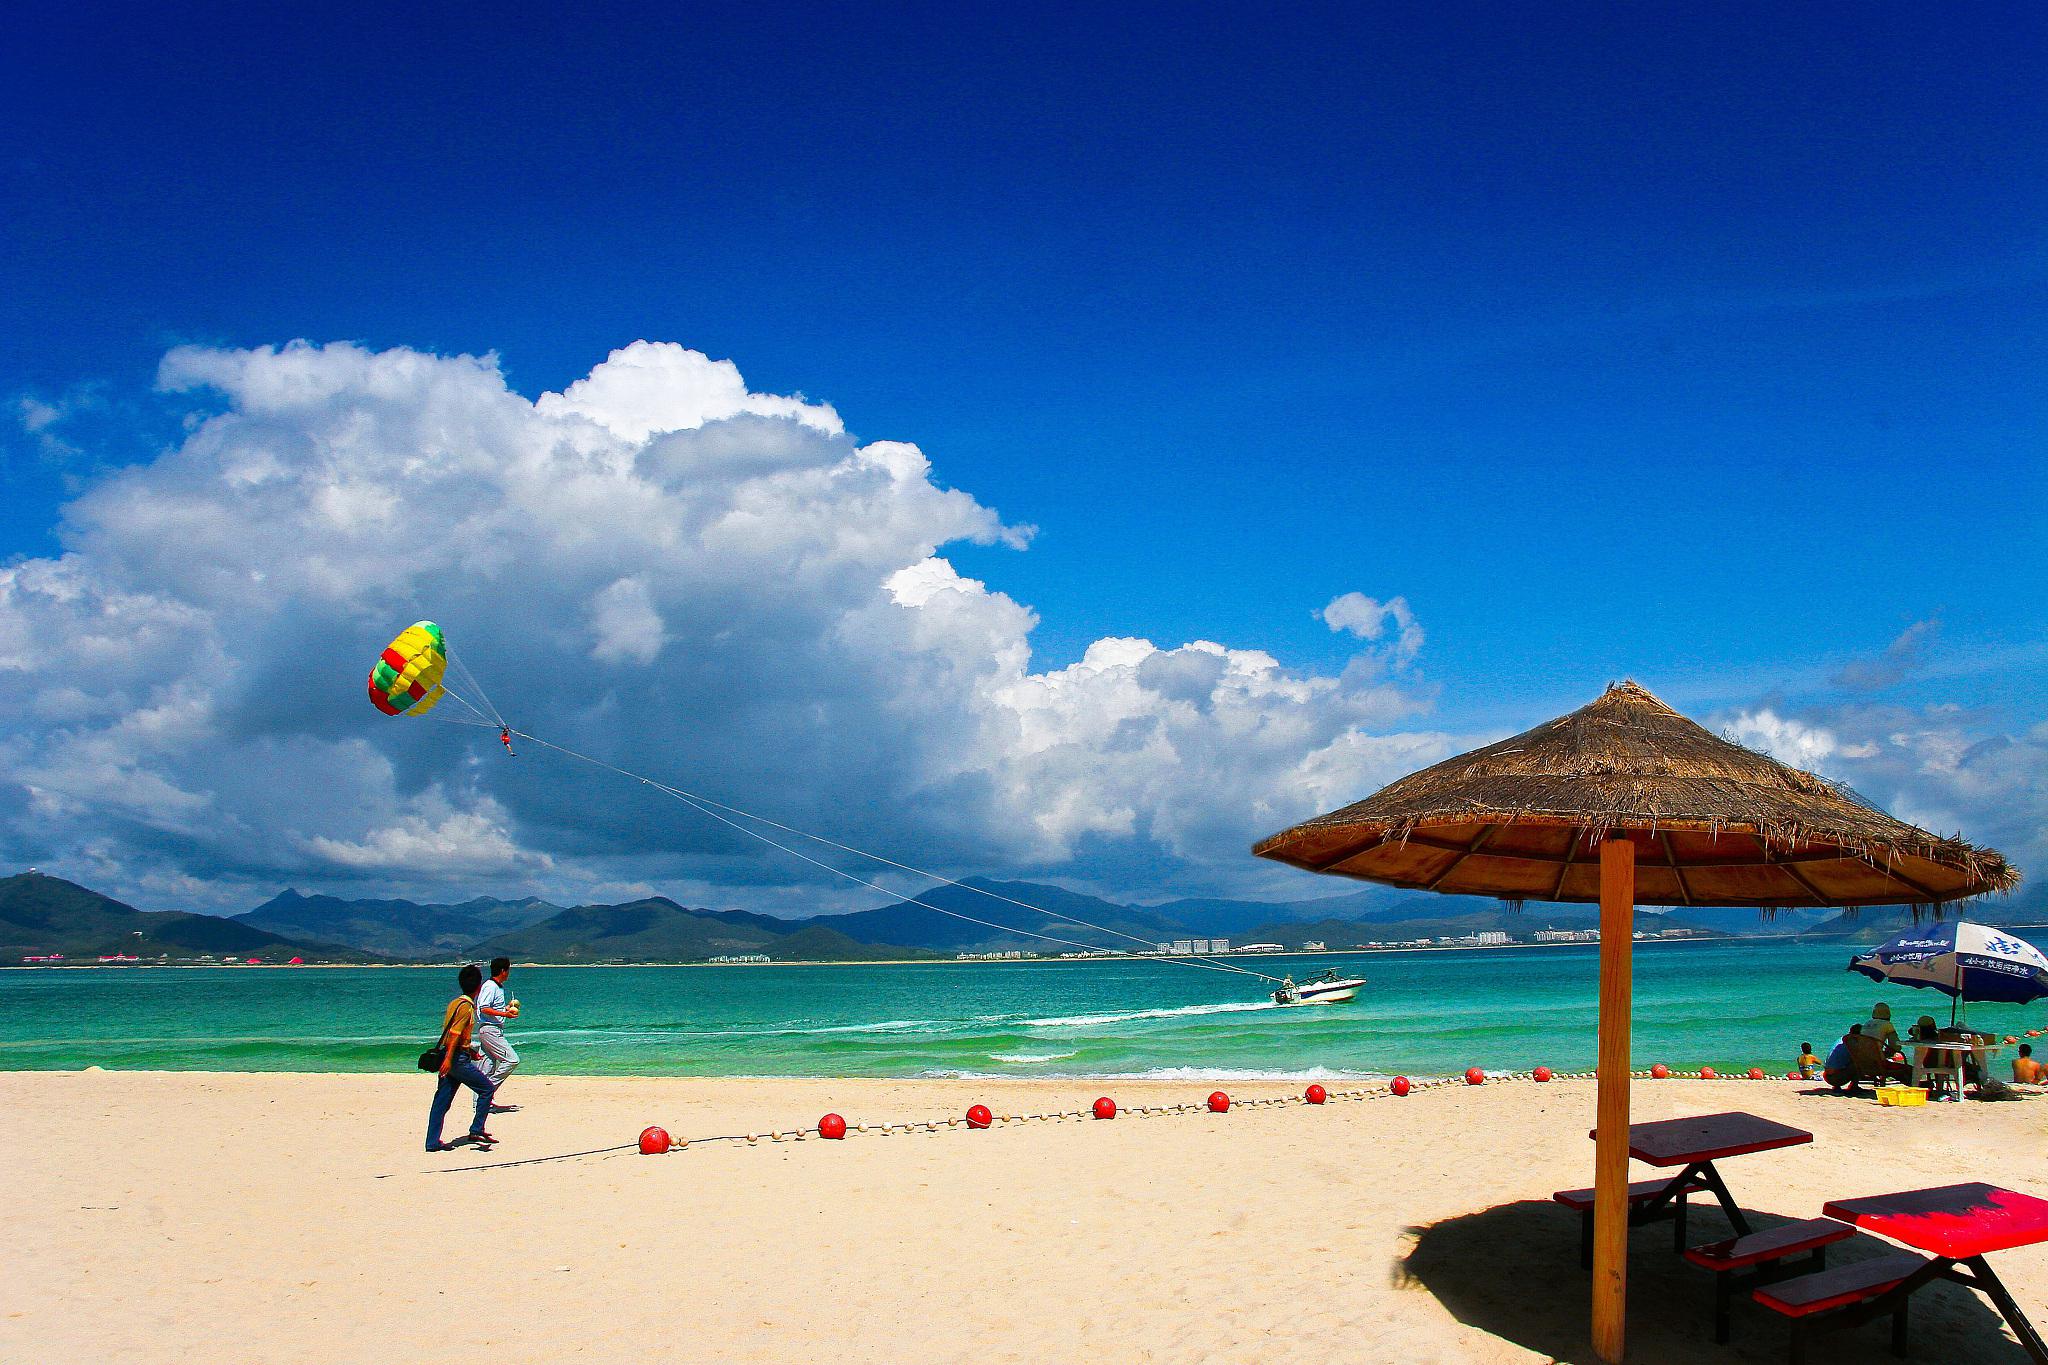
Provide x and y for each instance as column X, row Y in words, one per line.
column 1645, row 1204
column 1807, row 1297
column 1742, row 1262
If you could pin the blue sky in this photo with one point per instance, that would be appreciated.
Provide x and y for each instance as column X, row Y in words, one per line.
column 1704, row 350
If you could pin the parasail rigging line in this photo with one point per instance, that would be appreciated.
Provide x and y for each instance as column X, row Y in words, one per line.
column 469, row 680
column 704, row 805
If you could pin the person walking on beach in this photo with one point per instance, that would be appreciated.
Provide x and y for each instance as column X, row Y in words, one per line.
column 459, row 1057
column 493, row 1011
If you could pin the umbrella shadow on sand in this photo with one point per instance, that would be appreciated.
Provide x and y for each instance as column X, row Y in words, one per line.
column 1512, row 1271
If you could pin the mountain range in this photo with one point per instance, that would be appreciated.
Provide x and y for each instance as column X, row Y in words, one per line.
column 394, row 928
column 41, row 914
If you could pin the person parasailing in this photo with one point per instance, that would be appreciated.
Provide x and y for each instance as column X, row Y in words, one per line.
column 411, row 676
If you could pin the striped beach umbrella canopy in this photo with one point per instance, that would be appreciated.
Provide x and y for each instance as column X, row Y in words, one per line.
column 1962, row 960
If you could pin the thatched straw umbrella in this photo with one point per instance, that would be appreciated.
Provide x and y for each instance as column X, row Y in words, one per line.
column 1622, row 800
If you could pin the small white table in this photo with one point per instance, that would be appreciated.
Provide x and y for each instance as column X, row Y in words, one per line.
column 1947, row 1058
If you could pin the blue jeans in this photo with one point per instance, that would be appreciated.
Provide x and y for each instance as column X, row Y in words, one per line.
column 462, row 1071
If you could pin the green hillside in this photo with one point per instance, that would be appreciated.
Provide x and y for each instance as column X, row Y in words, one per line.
column 395, row 928
column 41, row 915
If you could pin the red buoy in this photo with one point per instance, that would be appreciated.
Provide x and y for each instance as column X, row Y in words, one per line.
column 1474, row 1076
column 1756, row 1073
column 1399, row 1085
column 1219, row 1103
column 1659, row 1072
column 832, row 1126
column 1541, row 1073
column 1708, row 1073
column 1315, row 1094
column 1105, row 1108
column 1794, row 1076
column 979, row 1117
column 653, row 1141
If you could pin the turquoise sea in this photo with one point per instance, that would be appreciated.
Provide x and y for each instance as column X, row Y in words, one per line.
column 1731, row 1004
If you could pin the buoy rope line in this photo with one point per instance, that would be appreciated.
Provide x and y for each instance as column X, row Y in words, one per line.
column 708, row 806
column 1397, row 1088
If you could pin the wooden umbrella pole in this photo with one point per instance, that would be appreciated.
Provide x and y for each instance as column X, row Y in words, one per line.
column 1610, row 1150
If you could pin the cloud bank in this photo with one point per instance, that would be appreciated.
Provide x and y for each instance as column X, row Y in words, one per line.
column 655, row 567
column 1942, row 767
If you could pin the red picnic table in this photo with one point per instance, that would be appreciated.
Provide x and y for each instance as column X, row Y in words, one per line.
column 1960, row 1225
column 1696, row 1144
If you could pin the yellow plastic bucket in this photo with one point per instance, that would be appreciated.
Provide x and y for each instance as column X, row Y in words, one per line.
column 1901, row 1095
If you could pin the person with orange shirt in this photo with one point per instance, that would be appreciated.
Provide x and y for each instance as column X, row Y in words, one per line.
column 459, row 1058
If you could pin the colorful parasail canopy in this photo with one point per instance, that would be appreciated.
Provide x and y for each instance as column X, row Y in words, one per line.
column 407, row 678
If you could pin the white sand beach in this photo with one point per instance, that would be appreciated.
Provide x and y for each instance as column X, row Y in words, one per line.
column 288, row 1218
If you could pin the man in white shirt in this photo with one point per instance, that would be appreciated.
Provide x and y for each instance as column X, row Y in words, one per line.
column 492, row 1010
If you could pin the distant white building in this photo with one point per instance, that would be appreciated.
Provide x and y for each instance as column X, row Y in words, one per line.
column 1263, row 948
column 736, row 958
column 1181, row 945
column 1314, row 945
column 1567, row 935
column 1487, row 938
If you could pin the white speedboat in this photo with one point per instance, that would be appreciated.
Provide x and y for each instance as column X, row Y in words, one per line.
column 1327, row 989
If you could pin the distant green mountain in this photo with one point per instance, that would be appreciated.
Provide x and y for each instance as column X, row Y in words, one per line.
column 652, row 930
column 395, row 928
column 1876, row 923
column 975, row 916
column 659, row 930
column 41, row 915
column 816, row 943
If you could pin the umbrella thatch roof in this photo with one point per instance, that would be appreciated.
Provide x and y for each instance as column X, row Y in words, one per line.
column 1715, row 823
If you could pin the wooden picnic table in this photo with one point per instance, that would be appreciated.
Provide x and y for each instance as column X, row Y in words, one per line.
column 1697, row 1143
column 1960, row 1225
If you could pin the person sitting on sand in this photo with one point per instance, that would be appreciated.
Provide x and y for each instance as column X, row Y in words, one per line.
column 2025, row 1070
column 1838, row 1071
column 1808, row 1065
column 459, row 1057
column 494, row 1011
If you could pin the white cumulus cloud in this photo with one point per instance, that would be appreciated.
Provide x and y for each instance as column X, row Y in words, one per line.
column 1370, row 619
column 657, row 567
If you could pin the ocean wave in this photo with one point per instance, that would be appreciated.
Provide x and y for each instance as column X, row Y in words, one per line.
column 643, row 1032
column 1027, row 1057
column 1204, row 1074
column 1122, row 1016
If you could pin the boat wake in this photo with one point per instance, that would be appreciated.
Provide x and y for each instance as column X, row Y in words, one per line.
column 1124, row 1016
column 1204, row 1074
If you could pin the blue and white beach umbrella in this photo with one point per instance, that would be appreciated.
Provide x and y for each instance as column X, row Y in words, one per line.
column 1962, row 960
